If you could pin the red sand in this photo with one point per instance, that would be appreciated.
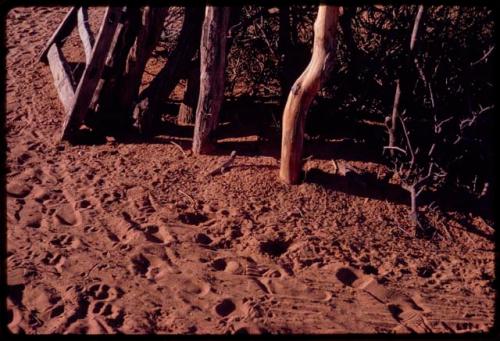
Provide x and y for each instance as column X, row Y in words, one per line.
column 132, row 238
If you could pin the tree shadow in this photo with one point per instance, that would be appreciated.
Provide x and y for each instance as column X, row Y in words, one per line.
column 363, row 185
column 252, row 127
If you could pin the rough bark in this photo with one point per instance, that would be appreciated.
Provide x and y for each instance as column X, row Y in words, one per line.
column 304, row 90
column 212, row 65
column 187, row 108
column 147, row 109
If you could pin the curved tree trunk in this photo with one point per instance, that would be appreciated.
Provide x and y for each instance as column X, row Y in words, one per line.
column 304, row 90
column 212, row 65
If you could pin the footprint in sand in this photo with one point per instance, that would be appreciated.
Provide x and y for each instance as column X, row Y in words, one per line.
column 104, row 292
column 153, row 267
column 225, row 307
column 229, row 266
column 57, row 260
column 66, row 240
column 191, row 218
column 18, row 189
column 407, row 310
column 14, row 317
column 247, row 328
column 31, row 215
column 274, row 247
column 44, row 303
column 105, row 317
column 188, row 288
column 91, row 311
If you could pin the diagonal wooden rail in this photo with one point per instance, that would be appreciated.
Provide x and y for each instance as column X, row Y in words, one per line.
column 76, row 98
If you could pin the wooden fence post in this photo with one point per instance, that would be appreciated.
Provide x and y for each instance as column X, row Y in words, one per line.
column 146, row 111
column 92, row 73
column 187, row 109
column 304, row 90
column 136, row 42
column 212, row 65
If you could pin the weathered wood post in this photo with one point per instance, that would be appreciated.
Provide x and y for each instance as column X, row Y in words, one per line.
column 212, row 65
column 146, row 111
column 135, row 43
column 304, row 90
column 187, row 109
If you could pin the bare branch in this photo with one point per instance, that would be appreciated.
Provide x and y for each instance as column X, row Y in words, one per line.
column 410, row 148
column 483, row 57
column 396, row 148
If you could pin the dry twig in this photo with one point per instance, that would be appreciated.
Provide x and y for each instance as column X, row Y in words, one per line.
column 220, row 168
column 179, row 147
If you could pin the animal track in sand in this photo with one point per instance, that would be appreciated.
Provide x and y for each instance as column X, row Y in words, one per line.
column 274, row 247
column 57, row 260
column 152, row 267
column 229, row 266
column 30, row 215
column 407, row 310
column 18, row 189
column 105, row 316
column 103, row 292
column 199, row 288
column 14, row 317
column 192, row 218
column 247, row 329
column 225, row 307
column 66, row 240
column 202, row 239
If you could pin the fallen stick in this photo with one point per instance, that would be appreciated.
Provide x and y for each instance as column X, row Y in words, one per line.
column 193, row 202
column 220, row 168
column 179, row 147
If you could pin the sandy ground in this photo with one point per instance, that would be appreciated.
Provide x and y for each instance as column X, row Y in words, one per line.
column 133, row 238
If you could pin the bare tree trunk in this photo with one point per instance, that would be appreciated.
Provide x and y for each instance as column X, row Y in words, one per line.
column 187, row 108
column 304, row 90
column 146, row 112
column 391, row 122
column 212, row 65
